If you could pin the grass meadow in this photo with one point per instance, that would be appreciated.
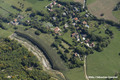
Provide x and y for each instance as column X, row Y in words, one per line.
column 117, row 14
column 75, row 74
column 107, row 62
column 90, row 1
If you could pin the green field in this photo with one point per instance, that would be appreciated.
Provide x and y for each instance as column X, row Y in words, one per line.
column 105, row 63
column 35, row 4
column 117, row 14
column 67, row 37
column 90, row 1
column 75, row 74
column 5, row 33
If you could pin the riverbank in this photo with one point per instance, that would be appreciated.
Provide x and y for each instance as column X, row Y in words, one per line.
column 39, row 54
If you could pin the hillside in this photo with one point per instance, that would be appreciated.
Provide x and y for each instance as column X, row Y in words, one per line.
column 16, row 62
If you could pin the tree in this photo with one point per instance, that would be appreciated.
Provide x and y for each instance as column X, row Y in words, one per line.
column 64, row 57
column 37, row 32
column 81, row 50
column 102, row 14
column 29, row 9
column 67, row 50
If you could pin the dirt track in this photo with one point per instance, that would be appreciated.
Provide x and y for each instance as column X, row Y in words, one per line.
column 85, row 68
column 103, row 6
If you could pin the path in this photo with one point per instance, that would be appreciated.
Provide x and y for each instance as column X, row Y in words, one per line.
column 85, row 68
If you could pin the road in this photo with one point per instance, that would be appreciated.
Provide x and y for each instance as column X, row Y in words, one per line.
column 85, row 68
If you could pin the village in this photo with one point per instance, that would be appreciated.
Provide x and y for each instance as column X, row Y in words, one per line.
column 64, row 18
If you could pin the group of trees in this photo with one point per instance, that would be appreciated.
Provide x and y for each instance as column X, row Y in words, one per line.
column 16, row 62
column 14, row 7
column 117, row 7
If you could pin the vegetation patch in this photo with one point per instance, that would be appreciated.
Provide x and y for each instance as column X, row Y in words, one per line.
column 16, row 62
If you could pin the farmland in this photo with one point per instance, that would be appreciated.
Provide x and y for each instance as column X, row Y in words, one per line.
column 98, row 7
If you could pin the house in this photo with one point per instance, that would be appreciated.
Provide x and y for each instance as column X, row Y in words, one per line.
column 84, row 22
column 73, row 24
column 20, row 16
column 57, row 29
column 86, row 41
column 64, row 14
column 75, row 9
column 51, row 6
column 54, row 3
column 92, row 44
column 74, row 34
column 87, row 26
column 15, row 20
column 83, row 35
column 54, row 18
column 87, row 44
column 66, row 25
column 76, row 54
column 50, row 9
column 86, row 15
column 59, row 5
column 76, row 19
column 83, row 38
column 78, row 39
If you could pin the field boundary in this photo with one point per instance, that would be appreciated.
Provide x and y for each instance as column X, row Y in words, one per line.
column 4, row 9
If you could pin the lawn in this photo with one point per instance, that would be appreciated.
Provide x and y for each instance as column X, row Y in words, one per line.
column 5, row 33
column 105, row 63
column 67, row 37
column 90, row 1
column 117, row 14
column 75, row 74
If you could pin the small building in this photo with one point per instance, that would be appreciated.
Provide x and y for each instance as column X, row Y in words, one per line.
column 54, row 3
column 74, row 34
column 51, row 5
column 84, row 22
column 15, row 20
column 78, row 38
column 57, row 29
column 76, row 19
column 59, row 5
column 83, row 38
column 66, row 25
column 73, row 24
column 75, row 9
column 76, row 54
column 86, row 41
column 54, row 18
column 64, row 14
column 87, row 26
column 92, row 44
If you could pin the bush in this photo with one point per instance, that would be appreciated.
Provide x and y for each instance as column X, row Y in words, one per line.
column 29, row 9
column 37, row 32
